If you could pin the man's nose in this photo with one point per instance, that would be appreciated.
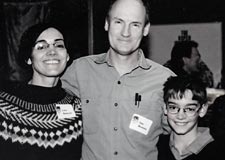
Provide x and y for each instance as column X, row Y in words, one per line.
column 126, row 30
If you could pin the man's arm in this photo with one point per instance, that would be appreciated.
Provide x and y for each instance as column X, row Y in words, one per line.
column 69, row 79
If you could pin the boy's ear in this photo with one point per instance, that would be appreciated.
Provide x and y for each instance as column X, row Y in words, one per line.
column 203, row 110
column 165, row 109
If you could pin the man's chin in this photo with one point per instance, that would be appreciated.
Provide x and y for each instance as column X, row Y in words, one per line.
column 124, row 52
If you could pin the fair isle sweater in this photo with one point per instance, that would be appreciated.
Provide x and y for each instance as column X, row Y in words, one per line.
column 30, row 128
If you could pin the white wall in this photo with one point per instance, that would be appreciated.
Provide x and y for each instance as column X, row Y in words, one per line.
column 208, row 35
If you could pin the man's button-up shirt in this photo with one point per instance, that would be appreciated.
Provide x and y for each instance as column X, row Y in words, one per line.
column 111, row 105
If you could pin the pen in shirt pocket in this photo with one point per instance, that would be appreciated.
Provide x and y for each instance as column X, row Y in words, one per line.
column 137, row 99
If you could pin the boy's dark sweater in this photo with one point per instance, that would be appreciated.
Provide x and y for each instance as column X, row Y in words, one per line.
column 215, row 150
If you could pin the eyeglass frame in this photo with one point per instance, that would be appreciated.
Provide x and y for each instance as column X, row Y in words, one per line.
column 47, row 45
column 196, row 110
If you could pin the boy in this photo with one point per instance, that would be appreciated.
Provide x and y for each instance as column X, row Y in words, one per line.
column 186, row 101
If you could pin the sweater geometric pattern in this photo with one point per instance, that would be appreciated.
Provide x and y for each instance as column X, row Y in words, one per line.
column 38, row 124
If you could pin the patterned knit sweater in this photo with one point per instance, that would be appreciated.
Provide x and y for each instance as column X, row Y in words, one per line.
column 30, row 128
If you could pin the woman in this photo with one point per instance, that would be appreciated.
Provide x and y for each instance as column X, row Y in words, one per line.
column 38, row 119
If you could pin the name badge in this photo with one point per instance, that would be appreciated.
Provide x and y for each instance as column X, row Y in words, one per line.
column 65, row 111
column 140, row 124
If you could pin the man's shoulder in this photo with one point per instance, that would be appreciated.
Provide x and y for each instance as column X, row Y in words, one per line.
column 85, row 60
column 160, row 68
column 90, row 57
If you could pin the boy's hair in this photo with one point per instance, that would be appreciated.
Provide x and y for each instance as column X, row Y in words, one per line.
column 175, row 87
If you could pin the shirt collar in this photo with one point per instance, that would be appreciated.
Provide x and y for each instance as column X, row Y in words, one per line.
column 201, row 141
column 105, row 58
column 203, row 138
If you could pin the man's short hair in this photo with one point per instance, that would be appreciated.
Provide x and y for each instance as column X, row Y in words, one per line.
column 182, row 49
column 144, row 2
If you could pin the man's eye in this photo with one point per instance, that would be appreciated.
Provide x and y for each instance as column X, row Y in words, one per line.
column 136, row 25
column 117, row 22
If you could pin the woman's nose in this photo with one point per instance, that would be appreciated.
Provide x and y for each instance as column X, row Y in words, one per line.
column 51, row 51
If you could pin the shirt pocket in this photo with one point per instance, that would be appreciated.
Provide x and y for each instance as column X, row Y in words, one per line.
column 151, row 108
column 90, row 115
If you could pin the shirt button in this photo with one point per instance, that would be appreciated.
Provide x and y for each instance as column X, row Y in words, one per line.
column 115, row 129
column 119, row 82
column 115, row 104
column 115, row 153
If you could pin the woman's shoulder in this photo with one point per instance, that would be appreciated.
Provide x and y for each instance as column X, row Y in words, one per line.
column 10, row 86
column 8, row 90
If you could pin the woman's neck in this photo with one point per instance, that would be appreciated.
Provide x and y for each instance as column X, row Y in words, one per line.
column 45, row 82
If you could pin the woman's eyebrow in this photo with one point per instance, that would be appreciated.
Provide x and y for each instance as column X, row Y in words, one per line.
column 42, row 40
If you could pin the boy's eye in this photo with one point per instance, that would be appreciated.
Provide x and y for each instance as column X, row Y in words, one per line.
column 173, row 109
column 171, row 106
column 189, row 109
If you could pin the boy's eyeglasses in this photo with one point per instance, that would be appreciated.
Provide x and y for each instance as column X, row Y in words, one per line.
column 188, row 111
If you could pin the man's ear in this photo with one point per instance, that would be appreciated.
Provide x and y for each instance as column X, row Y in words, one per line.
column 203, row 110
column 29, row 61
column 106, row 27
column 146, row 29
column 185, row 60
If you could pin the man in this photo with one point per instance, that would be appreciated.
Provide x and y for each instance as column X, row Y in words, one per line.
column 119, row 86
column 186, row 102
column 186, row 60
